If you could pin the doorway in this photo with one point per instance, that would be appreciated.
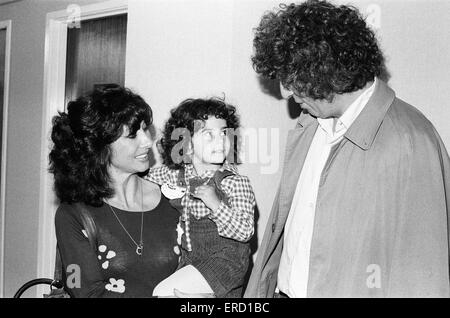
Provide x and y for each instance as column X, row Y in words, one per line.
column 5, row 45
column 64, row 79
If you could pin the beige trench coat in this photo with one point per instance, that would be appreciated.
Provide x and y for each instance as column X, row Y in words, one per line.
column 382, row 212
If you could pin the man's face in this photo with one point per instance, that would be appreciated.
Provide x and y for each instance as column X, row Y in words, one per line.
column 319, row 108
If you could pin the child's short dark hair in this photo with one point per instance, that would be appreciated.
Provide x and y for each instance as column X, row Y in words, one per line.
column 184, row 116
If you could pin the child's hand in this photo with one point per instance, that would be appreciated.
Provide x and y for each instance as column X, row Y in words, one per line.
column 208, row 195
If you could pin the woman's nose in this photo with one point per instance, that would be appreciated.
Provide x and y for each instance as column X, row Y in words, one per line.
column 146, row 141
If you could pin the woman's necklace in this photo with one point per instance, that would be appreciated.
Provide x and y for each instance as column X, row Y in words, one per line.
column 140, row 246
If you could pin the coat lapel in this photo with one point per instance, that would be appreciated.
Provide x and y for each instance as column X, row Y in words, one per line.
column 297, row 145
column 365, row 127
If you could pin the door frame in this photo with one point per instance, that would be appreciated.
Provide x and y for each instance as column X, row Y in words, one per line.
column 4, row 25
column 53, row 100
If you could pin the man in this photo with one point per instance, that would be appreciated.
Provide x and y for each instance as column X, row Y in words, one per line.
column 362, row 209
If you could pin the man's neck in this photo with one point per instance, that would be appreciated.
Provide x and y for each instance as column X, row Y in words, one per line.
column 343, row 101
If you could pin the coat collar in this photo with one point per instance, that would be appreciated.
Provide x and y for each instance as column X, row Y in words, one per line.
column 365, row 127
column 305, row 120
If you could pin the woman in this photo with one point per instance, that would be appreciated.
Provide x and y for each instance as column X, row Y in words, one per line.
column 100, row 145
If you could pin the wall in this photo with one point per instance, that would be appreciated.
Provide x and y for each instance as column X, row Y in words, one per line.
column 24, row 136
column 201, row 48
column 180, row 49
column 416, row 41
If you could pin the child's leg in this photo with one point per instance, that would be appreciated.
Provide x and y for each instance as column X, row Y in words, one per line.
column 187, row 280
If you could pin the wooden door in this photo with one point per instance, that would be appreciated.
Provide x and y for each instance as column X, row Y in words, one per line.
column 95, row 54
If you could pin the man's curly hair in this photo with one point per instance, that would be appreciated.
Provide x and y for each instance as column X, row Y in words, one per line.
column 183, row 118
column 82, row 137
column 317, row 49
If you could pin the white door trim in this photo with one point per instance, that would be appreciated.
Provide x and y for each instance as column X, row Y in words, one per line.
column 4, row 25
column 54, row 89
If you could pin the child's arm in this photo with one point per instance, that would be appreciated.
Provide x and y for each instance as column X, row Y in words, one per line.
column 235, row 219
column 161, row 175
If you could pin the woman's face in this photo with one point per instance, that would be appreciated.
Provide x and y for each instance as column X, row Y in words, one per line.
column 129, row 154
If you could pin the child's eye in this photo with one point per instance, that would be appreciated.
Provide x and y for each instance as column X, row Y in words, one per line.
column 208, row 134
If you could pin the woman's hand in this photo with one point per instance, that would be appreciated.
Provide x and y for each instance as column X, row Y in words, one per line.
column 208, row 195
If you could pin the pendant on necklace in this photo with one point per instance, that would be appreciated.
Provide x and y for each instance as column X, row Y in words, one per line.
column 139, row 249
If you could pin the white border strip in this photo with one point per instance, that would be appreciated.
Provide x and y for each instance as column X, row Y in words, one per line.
column 53, row 101
column 4, row 25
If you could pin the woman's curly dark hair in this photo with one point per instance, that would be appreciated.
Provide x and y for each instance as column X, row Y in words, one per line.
column 82, row 137
column 184, row 116
column 317, row 49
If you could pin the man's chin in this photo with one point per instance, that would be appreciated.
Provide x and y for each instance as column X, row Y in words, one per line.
column 308, row 110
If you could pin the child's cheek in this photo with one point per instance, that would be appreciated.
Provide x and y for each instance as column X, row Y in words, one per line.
column 227, row 145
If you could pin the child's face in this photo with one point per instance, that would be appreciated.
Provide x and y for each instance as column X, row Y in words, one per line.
column 210, row 143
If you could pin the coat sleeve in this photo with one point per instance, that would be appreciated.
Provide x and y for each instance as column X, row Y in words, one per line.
column 420, row 255
column 445, row 165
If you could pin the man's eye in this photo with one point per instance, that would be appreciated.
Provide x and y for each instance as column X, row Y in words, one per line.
column 223, row 133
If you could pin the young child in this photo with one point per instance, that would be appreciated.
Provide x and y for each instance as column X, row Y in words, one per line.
column 216, row 203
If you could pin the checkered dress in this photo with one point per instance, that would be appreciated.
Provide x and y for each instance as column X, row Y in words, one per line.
column 234, row 219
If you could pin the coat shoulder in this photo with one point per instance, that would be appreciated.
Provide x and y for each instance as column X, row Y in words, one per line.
column 406, row 125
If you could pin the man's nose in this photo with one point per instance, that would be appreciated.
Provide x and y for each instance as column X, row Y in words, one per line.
column 285, row 93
